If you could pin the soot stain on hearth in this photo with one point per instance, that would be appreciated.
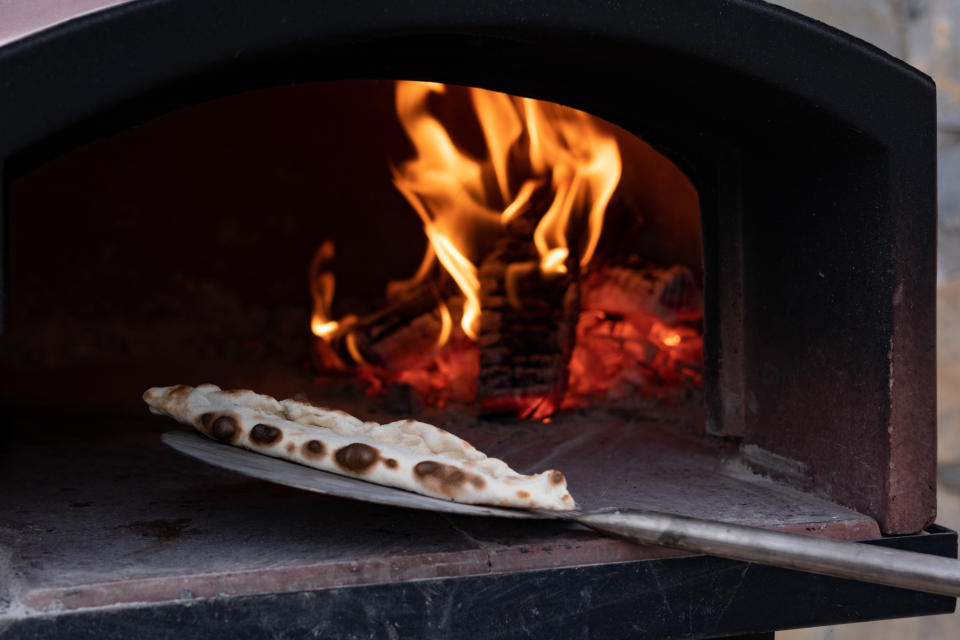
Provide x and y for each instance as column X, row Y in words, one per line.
column 161, row 530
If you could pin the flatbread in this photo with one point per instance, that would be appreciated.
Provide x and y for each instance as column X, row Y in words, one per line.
column 405, row 454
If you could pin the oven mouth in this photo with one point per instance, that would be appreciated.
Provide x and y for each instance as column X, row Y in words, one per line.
column 326, row 183
column 510, row 255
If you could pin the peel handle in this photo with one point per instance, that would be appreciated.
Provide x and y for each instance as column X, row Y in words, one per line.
column 841, row 559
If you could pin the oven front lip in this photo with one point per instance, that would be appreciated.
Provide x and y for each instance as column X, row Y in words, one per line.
column 752, row 599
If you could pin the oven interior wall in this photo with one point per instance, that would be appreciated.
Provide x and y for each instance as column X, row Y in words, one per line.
column 190, row 235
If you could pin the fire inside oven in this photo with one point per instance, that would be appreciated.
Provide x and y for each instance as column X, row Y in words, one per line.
column 533, row 293
column 505, row 255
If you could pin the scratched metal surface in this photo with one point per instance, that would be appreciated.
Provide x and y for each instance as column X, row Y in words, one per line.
column 607, row 465
column 611, row 463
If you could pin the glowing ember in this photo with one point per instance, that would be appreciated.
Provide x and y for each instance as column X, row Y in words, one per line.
column 513, row 230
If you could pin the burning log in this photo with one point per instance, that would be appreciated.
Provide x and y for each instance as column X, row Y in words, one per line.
column 407, row 326
column 544, row 341
column 671, row 295
column 527, row 329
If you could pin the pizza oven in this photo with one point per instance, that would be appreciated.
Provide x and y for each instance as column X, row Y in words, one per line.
column 682, row 251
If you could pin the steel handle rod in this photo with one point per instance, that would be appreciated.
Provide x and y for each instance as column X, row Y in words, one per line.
column 841, row 559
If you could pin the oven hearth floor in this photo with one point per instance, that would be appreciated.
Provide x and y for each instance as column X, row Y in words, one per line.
column 98, row 512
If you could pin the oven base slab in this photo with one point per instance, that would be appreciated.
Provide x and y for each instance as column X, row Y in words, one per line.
column 102, row 520
column 684, row 597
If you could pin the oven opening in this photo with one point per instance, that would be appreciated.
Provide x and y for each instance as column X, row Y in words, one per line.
column 525, row 275
column 559, row 268
column 437, row 246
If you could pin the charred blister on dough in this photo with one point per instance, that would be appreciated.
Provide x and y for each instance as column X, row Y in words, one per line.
column 313, row 449
column 225, row 429
column 444, row 478
column 523, row 495
column 265, row 434
column 205, row 419
column 357, row 457
column 179, row 392
column 556, row 478
column 174, row 398
column 390, row 462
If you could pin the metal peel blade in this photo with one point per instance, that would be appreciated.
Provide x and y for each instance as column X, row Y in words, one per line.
column 841, row 559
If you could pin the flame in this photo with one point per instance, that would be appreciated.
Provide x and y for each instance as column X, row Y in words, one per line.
column 463, row 273
column 532, row 147
column 322, row 285
column 519, row 204
column 446, row 325
column 323, row 329
column 584, row 167
column 396, row 287
column 351, row 342
column 540, row 170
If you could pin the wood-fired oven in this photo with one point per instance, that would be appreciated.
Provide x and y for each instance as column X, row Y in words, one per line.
column 184, row 181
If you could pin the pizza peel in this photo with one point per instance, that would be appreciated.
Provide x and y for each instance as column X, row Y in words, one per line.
column 842, row 559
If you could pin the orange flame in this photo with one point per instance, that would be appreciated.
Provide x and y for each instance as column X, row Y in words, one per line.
column 584, row 167
column 538, row 169
column 446, row 324
column 322, row 285
column 531, row 146
column 534, row 150
column 464, row 274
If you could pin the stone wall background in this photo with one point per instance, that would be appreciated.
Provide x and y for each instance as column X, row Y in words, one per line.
column 926, row 34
